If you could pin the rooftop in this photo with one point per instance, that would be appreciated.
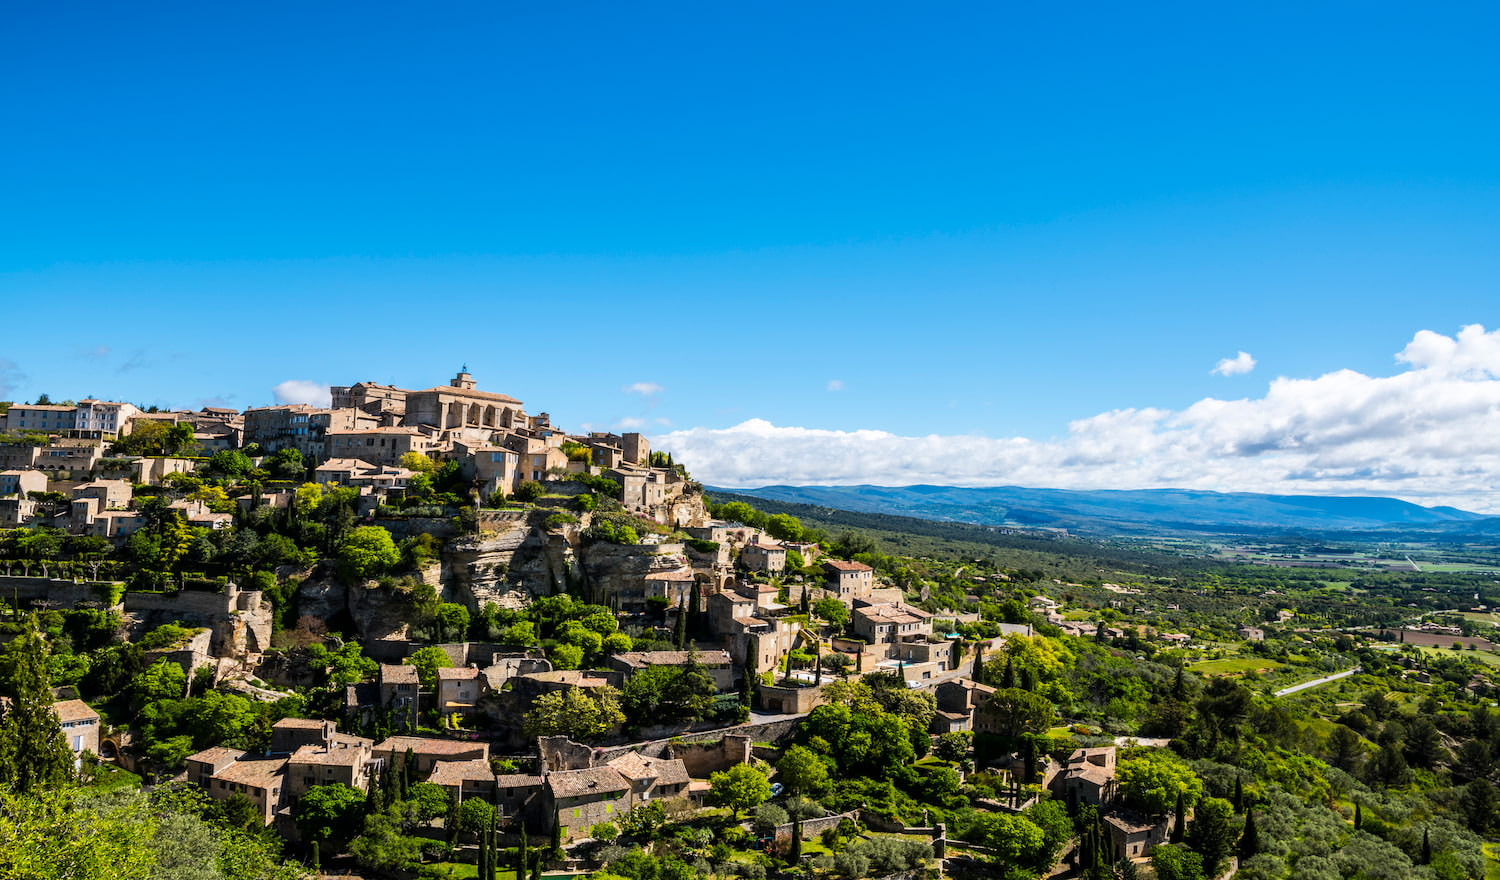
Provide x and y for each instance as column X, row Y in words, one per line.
column 580, row 783
column 459, row 772
column 74, row 710
column 257, row 772
column 422, row 745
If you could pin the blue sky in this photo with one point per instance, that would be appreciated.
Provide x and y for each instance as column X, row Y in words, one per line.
column 973, row 221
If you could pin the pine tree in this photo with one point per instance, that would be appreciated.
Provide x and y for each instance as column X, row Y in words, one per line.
column 33, row 750
column 1250, row 840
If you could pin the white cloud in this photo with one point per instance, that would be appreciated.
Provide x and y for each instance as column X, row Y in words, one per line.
column 632, row 422
column 835, row 384
column 1241, row 363
column 302, row 391
column 1430, row 434
column 646, row 388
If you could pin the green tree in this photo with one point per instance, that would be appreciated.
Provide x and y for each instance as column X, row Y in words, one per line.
column 566, row 656
column 452, row 621
column 230, row 463
column 475, row 814
column 832, row 610
column 1175, row 863
column 954, row 745
column 668, row 694
column 1019, row 712
column 428, row 661
column 574, row 713
column 59, row 834
column 1155, row 779
column 529, row 491
column 33, row 752
column 802, row 771
column 329, row 812
column 741, row 787
column 367, row 551
column 1212, row 832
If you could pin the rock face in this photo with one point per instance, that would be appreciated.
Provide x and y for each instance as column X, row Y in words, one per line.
column 511, row 564
column 378, row 612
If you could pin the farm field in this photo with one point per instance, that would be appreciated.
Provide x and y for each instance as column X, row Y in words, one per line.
column 1236, row 666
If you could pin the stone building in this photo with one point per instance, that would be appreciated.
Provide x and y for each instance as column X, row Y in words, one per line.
column 849, row 580
column 461, row 404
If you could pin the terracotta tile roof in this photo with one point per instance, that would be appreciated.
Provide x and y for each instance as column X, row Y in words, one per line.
column 670, row 576
column 74, row 710
column 632, row 766
column 258, row 772
column 518, row 780
column 467, row 392
column 639, row 659
column 298, row 724
column 842, row 565
column 422, row 745
column 398, row 674
column 458, row 674
column 580, row 783
column 324, row 756
column 459, row 772
column 217, row 756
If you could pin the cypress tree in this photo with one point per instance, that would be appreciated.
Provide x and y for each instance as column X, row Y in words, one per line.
column 1359, row 817
column 695, row 610
column 523, row 856
column 747, row 691
column 1008, row 679
column 483, row 872
column 680, row 633
column 1179, row 686
column 1239, row 795
column 1250, row 840
column 557, row 847
column 979, row 663
column 1180, row 825
column 796, row 853
column 817, row 666
column 1426, row 847
column 33, row 750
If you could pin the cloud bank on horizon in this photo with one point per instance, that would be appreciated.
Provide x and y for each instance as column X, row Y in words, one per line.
column 1429, row 434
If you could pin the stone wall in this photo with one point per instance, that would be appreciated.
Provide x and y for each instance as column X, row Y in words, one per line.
column 769, row 731
column 66, row 592
column 702, row 758
column 436, row 526
column 811, row 827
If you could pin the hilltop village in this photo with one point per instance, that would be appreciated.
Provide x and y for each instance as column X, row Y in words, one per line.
column 425, row 633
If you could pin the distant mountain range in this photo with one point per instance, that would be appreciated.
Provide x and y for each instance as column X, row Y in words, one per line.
column 1121, row 511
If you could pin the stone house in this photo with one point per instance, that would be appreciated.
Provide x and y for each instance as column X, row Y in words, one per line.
column 1134, row 837
column 878, row 624
column 1252, row 633
column 339, row 758
column 459, row 689
column 520, row 796
column 80, row 725
column 381, row 446
column 40, row 418
column 16, row 511
column 112, row 494
column 400, row 688
column 20, row 482
column 764, row 557
column 674, row 586
column 428, row 751
column 579, row 799
column 849, row 580
column 357, row 473
column 1089, row 776
column 224, row 772
column 808, row 551
column 717, row 663
column 956, row 702
column 652, row 778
